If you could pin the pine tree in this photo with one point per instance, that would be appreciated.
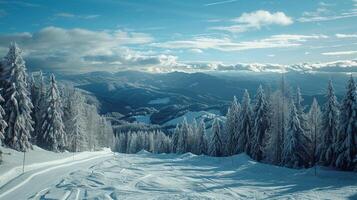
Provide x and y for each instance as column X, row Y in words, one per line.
column 38, row 96
column 347, row 135
column 261, row 125
column 74, row 122
column 53, row 136
column 17, row 101
column 330, row 120
column 244, row 142
column 279, row 107
column 300, row 111
column 314, row 118
column 3, row 125
column 185, row 130
column 175, row 138
column 201, row 134
column 215, row 146
column 295, row 150
column 232, row 127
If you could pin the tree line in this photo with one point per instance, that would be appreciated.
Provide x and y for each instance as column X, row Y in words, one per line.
column 35, row 110
column 274, row 128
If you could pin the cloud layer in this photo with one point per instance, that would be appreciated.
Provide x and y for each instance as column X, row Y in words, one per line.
column 226, row 44
column 79, row 50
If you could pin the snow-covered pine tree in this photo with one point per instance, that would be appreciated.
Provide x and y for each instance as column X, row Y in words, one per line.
column 185, row 130
column 133, row 145
column 74, row 122
column 52, row 135
column 192, row 139
column 232, row 127
column 295, row 152
column 3, row 125
column 347, row 135
column 201, row 135
column 175, row 137
column 244, row 141
column 279, row 107
column 215, row 145
column 260, row 125
column 18, row 104
column 38, row 98
column 314, row 119
column 92, row 126
column 300, row 111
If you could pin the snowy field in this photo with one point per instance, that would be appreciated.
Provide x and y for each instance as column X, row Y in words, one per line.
column 105, row 175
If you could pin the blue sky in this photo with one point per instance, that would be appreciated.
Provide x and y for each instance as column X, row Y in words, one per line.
column 166, row 35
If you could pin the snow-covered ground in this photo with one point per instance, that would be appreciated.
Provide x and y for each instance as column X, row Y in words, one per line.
column 143, row 119
column 165, row 100
column 191, row 115
column 168, row 176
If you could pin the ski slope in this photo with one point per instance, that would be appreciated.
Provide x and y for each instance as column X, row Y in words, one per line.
column 168, row 176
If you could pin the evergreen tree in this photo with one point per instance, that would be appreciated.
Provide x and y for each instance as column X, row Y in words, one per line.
column 201, row 135
column 314, row 118
column 215, row 146
column 75, row 126
column 347, row 135
column 300, row 111
column 185, row 131
column 330, row 119
column 175, row 138
column 17, row 101
column 38, row 98
column 232, row 127
column 3, row 125
column 244, row 141
column 53, row 136
column 261, row 125
column 295, row 150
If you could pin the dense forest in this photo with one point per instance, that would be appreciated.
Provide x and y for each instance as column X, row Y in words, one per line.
column 273, row 128
column 36, row 110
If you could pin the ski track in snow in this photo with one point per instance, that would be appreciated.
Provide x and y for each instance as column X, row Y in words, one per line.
column 170, row 176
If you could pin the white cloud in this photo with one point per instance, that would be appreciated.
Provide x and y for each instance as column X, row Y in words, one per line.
column 262, row 18
column 196, row 51
column 339, row 53
column 339, row 35
column 256, row 20
column 226, row 44
column 323, row 13
column 220, row 2
column 71, row 15
column 78, row 50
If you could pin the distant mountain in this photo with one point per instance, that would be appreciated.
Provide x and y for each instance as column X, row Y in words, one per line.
column 336, row 66
column 162, row 97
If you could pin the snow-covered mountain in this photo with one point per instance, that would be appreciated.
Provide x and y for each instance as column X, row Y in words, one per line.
column 160, row 98
column 336, row 66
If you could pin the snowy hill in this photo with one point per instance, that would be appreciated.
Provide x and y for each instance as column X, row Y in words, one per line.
column 37, row 162
column 170, row 176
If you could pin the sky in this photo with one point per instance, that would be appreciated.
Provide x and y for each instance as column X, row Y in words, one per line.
column 167, row 35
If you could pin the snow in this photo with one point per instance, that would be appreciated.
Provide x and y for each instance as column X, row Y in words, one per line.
column 165, row 100
column 190, row 115
column 143, row 119
column 170, row 176
column 37, row 158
